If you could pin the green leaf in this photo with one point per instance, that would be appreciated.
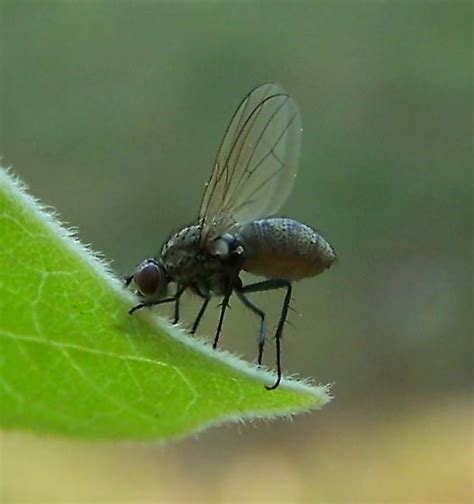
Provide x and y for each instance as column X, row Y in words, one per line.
column 73, row 362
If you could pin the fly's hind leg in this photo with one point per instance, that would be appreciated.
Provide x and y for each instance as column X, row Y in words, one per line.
column 263, row 324
column 266, row 286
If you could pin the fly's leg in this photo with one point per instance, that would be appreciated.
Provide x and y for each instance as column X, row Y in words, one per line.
column 233, row 283
column 263, row 324
column 127, row 280
column 224, row 305
column 270, row 285
column 139, row 306
column 179, row 291
column 200, row 314
column 143, row 305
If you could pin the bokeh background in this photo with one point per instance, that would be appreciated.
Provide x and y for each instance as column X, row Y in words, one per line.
column 111, row 112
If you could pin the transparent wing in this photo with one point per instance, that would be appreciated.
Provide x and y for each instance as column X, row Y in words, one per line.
column 256, row 162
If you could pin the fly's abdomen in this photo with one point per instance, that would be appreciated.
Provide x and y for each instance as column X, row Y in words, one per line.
column 284, row 248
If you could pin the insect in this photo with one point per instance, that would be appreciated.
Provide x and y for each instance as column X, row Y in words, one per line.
column 252, row 177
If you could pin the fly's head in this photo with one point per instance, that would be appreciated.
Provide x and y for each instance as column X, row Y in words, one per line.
column 150, row 280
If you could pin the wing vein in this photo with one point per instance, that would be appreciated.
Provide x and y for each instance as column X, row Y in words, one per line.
column 256, row 162
column 259, row 139
column 254, row 115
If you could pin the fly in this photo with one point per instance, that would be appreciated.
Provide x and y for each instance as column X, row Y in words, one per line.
column 253, row 175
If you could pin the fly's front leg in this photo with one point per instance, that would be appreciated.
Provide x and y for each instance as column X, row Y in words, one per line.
column 152, row 303
column 127, row 280
column 266, row 286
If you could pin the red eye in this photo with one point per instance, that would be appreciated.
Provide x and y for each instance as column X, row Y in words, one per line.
column 148, row 279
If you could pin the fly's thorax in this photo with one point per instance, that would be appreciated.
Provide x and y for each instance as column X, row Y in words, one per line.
column 186, row 238
column 193, row 259
column 284, row 248
column 181, row 249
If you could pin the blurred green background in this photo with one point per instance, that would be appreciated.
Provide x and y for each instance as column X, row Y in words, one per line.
column 112, row 112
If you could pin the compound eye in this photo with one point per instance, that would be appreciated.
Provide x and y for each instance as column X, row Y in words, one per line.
column 148, row 279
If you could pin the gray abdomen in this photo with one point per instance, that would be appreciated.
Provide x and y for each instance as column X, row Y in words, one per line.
column 284, row 248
